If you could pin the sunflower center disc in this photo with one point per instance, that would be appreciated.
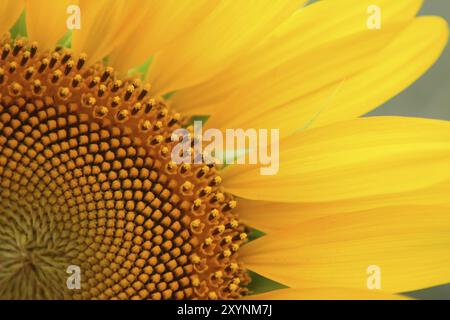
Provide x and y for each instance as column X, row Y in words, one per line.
column 86, row 180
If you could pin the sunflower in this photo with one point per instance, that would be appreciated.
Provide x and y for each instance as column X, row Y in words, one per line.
column 86, row 176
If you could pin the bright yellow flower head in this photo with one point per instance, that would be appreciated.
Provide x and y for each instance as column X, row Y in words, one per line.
column 87, row 179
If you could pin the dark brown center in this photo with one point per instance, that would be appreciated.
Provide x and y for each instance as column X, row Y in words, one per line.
column 86, row 179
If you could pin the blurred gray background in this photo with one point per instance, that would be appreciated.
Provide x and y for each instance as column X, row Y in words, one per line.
column 428, row 97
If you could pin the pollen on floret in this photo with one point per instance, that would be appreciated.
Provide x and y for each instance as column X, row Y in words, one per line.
column 86, row 179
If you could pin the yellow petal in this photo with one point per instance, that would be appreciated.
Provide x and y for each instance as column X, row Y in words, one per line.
column 335, row 83
column 165, row 22
column 352, row 159
column 10, row 11
column 402, row 63
column 409, row 246
column 274, row 96
column 297, row 35
column 325, row 294
column 46, row 20
column 276, row 216
column 107, row 24
column 232, row 28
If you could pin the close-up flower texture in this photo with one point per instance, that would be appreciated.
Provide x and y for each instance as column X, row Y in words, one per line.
column 86, row 174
